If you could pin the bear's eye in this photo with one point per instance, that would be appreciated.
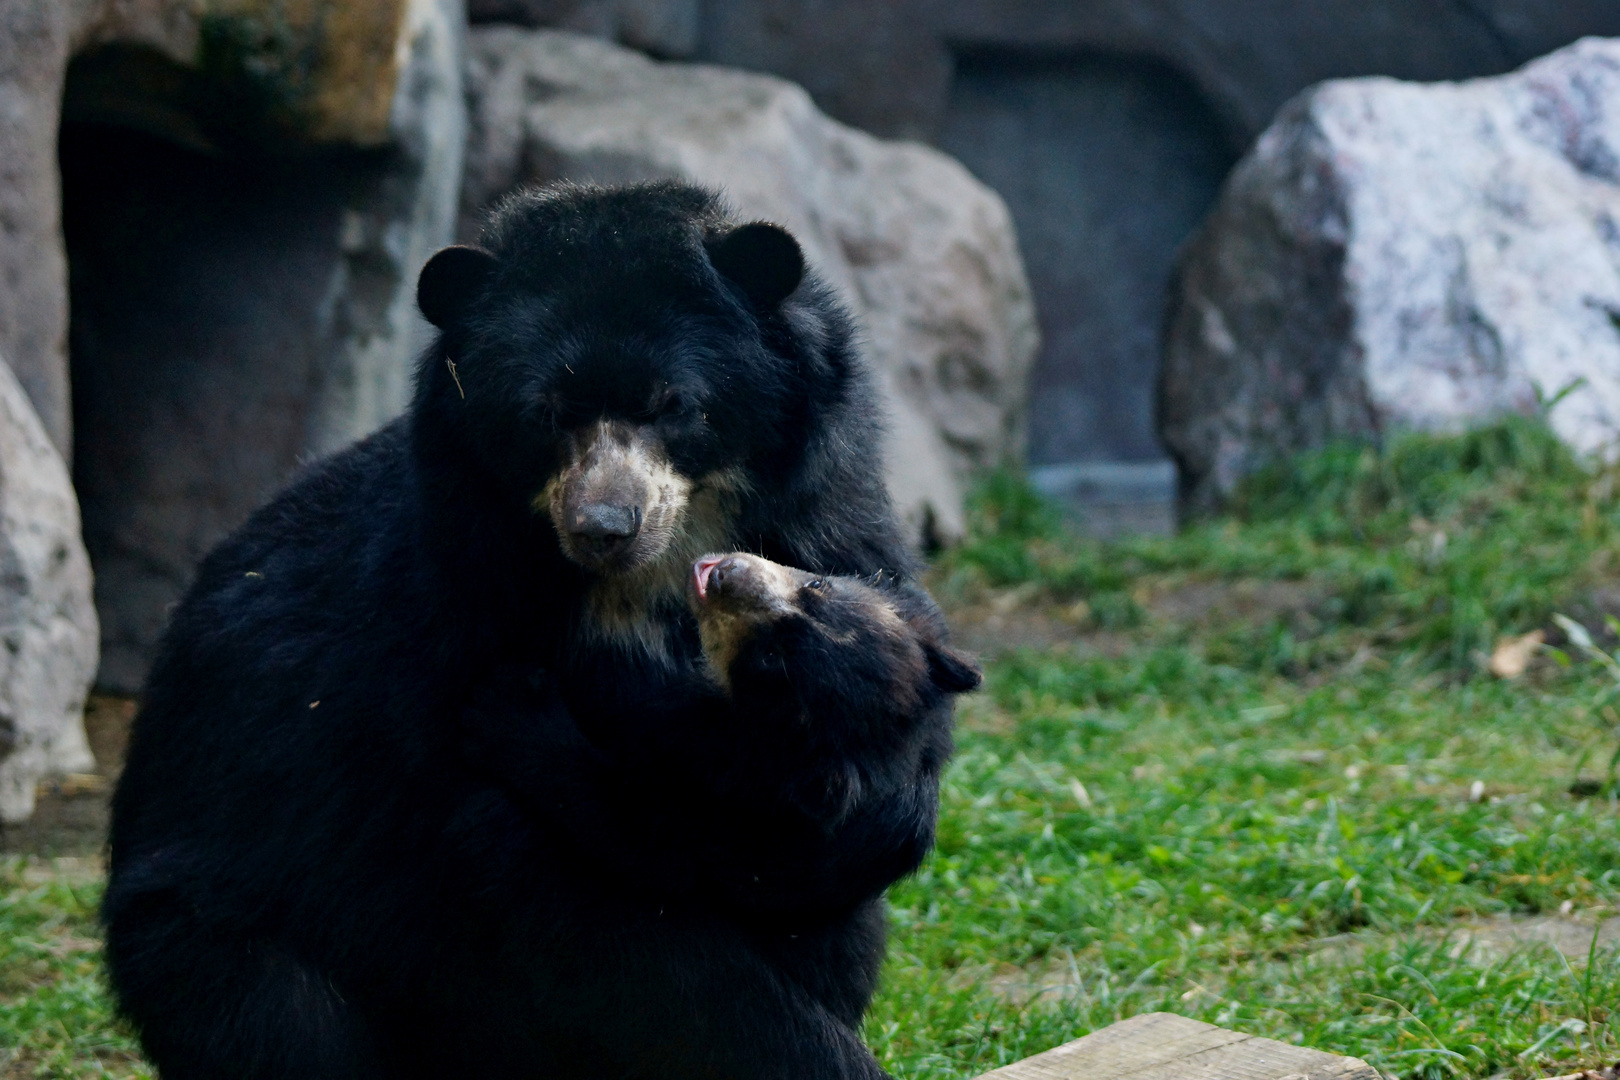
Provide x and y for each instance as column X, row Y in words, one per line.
column 669, row 402
column 672, row 408
column 816, row 584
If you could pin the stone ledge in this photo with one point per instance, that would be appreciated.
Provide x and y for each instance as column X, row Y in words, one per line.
column 1164, row 1046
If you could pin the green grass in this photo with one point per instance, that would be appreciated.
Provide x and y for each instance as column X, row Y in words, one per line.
column 1440, row 544
column 55, row 1019
column 1235, row 821
column 1284, row 821
column 1284, row 824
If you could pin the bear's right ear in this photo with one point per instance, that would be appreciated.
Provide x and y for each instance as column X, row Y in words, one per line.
column 951, row 671
column 450, row 280
column 760, row 258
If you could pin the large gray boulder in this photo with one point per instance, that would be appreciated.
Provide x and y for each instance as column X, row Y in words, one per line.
column 47, row 619
column 924, row 252
column 1394, row 255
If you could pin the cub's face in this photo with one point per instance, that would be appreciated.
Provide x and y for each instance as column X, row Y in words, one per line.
column 739, row 598
column 814, row 629
column 617, row 383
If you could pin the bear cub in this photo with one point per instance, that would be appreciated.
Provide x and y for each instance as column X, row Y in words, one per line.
column 830, row 668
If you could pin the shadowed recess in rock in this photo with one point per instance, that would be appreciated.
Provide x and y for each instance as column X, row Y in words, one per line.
column 1107, row 164
column 221, row 288
column 200, row 293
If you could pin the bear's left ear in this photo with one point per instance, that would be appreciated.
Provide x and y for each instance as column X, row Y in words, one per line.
column 951, row 671
column 760, row 258
column 450, row 280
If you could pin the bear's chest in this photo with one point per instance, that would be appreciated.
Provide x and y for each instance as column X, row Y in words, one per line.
column 642, row 708
column 639, row 673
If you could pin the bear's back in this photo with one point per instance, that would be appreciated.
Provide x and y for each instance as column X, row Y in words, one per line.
column 290, row 695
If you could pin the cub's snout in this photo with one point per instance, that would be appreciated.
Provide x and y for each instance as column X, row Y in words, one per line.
column 740, row 584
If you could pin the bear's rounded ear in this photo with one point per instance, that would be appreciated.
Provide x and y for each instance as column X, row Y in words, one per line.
column 760, row 258
column 449, row 281
column 951, row 671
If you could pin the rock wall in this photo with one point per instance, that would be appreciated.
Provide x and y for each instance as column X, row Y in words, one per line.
column 47, row 619
column 887, row 67
column 251, row 186
column 1394, row 255
column 663, row 28
column 1107, row 165
column 311, row 73
column 925, row 253
column 1148, row 98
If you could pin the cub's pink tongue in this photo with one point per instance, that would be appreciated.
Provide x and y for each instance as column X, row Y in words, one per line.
column 701, row 571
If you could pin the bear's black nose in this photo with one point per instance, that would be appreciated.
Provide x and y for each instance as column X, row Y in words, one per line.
column 606, row 527
column 727, row 569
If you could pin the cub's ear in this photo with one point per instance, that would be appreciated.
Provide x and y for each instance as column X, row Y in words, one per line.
column 760, row 258
column 450, row 280
column 951, row 671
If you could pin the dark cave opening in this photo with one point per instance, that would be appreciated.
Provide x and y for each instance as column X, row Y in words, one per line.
column 201, row 283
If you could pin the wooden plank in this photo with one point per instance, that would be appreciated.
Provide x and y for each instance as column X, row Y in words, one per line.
column 1163, row 1046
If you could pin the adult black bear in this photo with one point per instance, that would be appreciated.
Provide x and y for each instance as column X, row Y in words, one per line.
column 431, row 775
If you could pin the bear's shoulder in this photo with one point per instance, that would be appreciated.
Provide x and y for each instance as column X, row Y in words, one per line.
column 326, row 518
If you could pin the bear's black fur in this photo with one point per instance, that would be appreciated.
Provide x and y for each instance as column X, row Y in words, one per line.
column 431, row 775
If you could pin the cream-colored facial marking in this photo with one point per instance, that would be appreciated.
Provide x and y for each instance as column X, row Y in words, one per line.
column 616, row 464
column 727, row 616
column 626, row 608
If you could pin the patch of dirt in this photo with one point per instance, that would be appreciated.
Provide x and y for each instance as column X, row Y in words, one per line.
column 1485, row 941
column 1201, row 603
column 70, row 816
column 1570, row 936
column 1595, row 609
column 979, row 712
column 1608, row 1072
column 1004, row 620
column 983, row 630
column 1015, row 619
column 72, row 870
column 106, row 724
column 1481, row 941
column 1020, row 986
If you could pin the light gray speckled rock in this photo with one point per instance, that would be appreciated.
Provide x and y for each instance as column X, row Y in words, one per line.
column 1395, row 255
column 925, row 253
column 47, row 621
